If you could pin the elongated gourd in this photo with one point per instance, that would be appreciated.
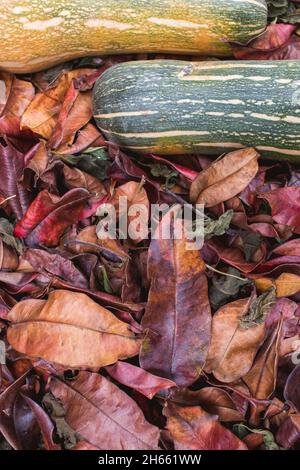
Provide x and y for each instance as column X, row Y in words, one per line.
column 36, row 34
column 173, row 107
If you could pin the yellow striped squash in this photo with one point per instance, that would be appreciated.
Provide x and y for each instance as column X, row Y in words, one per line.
column 37, row 34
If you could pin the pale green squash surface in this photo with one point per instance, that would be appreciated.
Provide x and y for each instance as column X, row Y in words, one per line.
column 171, row 107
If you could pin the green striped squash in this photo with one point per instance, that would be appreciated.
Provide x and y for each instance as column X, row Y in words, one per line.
column 36, row 34
column 171, row 107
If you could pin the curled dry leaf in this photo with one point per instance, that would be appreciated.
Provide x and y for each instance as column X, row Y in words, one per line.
column 176, row 325
column 108, row 417
column 261, row 379
column 49, row 215
column 16, row 96
column 214, row 400
column 70, row 329
column 192, row 428
column 285, row 205
column 233, row 347
column 137, row 208
column 41, row 116
column 9, row 259
column 139, row 379
column 12, row 189
column 225, row 178
column 22, row 419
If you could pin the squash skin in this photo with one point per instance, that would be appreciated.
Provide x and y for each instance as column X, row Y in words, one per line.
column 171, row 107
column 37, row 34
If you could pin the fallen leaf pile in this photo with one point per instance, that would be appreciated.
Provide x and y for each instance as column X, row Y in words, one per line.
column 138, row 342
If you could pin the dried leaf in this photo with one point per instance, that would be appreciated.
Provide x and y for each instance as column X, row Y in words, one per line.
column 57, row 413
column 261, row 379
column 176, row 343
column 193, row 429
column 268, row 438
column 48, row 216
column 6, row 231
column 109, row 419
column 224, row 288
column 140, row 380
column 213, row 228
column 288, row 433
column 276, row 43
column 291, row 390
column 70, row 329
column 286, row 285
column 17, row 96
column 42, row 115
column 213, row 400
column 285, row 205
column 258, row 309
column 233, row 348
column 225, row 178
column 135, row 195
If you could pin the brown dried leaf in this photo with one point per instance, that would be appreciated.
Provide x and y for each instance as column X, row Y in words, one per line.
column 42, row 114
column 177, row 321
column 70, row 329
column 225, row 178
column 233, row 347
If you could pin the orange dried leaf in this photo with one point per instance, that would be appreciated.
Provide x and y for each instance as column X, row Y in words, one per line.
column 286, row 285
column 233, row 348
column 70, row 329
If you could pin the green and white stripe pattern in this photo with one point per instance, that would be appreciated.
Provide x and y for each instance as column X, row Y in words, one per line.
column 173, row 107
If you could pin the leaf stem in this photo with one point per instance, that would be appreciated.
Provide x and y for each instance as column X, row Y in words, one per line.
column 7, row 199
column 226, row 274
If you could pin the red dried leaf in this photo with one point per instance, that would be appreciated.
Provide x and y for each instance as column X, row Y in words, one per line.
column 193, row 429
column 48, row 216
column 176, row 342
column 285, row 205
column 276, row 43
column 140, row 380
column 109, row 419
column 292, row 390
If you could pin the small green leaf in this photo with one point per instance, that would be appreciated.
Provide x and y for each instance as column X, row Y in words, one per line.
column 259, row 309
column 163, row 171
column 6, row 231
column 217, row 227
column 94, row 161
column 105, row 280
column 241, row 430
